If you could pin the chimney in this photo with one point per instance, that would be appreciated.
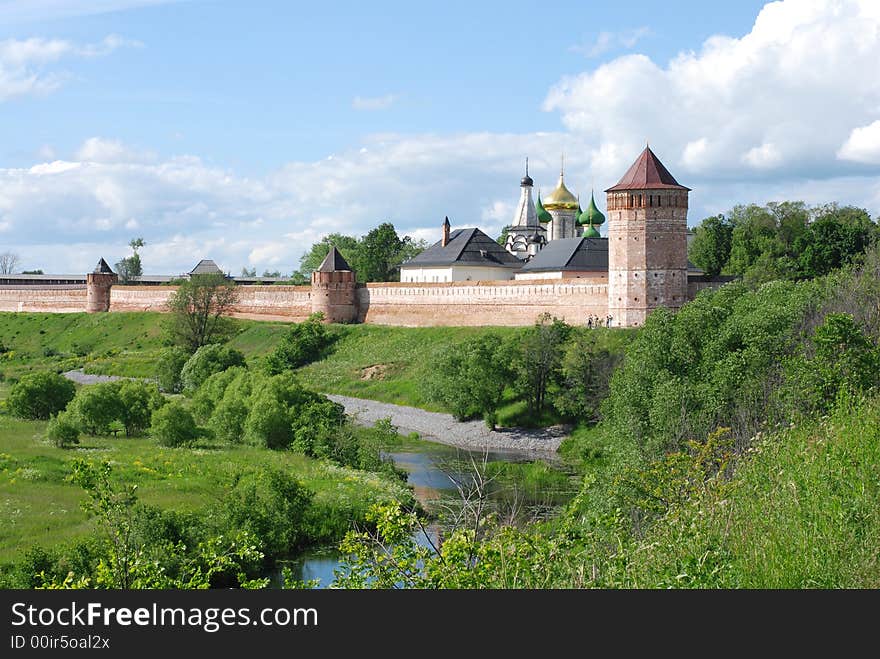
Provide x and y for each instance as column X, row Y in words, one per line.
column 445, row 240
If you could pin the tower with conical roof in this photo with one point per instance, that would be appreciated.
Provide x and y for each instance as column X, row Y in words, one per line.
column 647, row 241
column 334, row 289
column 98, row 285
column 563, row 208
column 525, row 223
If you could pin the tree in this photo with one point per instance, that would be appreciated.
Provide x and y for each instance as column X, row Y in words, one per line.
column 833, row 239
column 248, row 273
column 207, row 360
column 32, row 272
column 96, row 406
column 502, row 239
column 302, row 344
column 170, row 363
column 40, row 395
column 586, row 370
column 309, row 262
column 173, row 425
column 138, row 401
column 63, row 430
column 710, row 248
column 379, row 254
column 130, row 267
column 471, row 378
column 8, row 263
column 198, row 311
column 536, row 360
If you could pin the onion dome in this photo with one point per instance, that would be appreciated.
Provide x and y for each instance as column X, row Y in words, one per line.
column 543, row 215
column 592, row 216
column 591, row 232
column 561, row 198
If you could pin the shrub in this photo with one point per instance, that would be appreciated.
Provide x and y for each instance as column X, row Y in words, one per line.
column 40, row 395
column 96, row 406
column 302, row 344
column 206, row 361
column 168, row 368
column 137, row 400
column 63, row 430
column 173, row 425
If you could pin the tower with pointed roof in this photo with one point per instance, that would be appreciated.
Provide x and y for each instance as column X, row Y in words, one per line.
column 647, row 241
column 562, row 206
column 334, row 289
column 98, row 285
column 526, row 229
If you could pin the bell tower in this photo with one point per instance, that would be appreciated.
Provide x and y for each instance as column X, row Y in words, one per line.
column 647, row 242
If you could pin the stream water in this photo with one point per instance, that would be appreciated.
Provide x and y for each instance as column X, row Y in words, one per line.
column 432, row 470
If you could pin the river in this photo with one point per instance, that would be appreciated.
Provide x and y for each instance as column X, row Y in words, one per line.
column 432, row 470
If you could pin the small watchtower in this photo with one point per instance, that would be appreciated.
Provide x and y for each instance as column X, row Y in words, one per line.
column 98, row 284
column 334, row 289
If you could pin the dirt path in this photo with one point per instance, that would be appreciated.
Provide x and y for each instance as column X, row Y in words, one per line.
column 444, row 429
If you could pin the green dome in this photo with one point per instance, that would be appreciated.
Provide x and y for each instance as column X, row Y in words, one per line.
column 592, row 215
column 591, row 232
column 543, row 215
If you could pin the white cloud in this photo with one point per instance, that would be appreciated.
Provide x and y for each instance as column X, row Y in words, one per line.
column 371, row 103
column 783, row 97
column 99, row 149
column 23, row 62
column 862, row 145
column 606, row 41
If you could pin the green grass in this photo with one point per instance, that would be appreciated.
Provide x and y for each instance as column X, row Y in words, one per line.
column 404, row 357
column 39, row 507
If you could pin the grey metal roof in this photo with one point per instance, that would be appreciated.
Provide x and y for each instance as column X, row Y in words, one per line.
column 580, row 254
column 466, row 247
column 102, row 268
column 333, row 262
column 206, row 267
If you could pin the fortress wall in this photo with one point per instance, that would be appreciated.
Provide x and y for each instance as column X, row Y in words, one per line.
column 512, row 303
column 291, row 303
column 45, row 299
column 700, row 283
column 140, row 298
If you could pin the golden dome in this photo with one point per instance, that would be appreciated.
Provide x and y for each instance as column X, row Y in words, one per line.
column 561, row 198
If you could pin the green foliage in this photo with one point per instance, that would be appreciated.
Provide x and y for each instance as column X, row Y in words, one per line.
column 375, row 257
column 40, row 395
column 536, row 359
column 63, row 430
column 198, row 309
column 834, row 238
column 710, row 247
column 168, row 367
column 585, row 371
column 97, row 406
column 129, row 268
column 138, row 400
column 207, row 360
column 302, row 344
column 269, row 505
column 173, row 425
column 470, row 379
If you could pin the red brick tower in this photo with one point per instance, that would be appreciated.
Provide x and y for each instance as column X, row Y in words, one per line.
column 647, row 242
column 334, row 289
column 98, row 284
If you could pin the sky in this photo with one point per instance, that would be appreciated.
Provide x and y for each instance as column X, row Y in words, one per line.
column 246, row 131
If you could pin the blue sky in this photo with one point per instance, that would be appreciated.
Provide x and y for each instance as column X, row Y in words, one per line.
column 243, row 131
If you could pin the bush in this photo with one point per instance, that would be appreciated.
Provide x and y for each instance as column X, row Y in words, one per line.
column 173, row 425
column 302, row 344
column 168, row 368
column 206, row 361
column 40, row 395
column 137, row 400
column 63, row 430
column 211, row 392
column 96, row 406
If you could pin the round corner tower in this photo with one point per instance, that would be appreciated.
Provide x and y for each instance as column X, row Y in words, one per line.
column 334, row 289
column 647, row 242
column 98, row 285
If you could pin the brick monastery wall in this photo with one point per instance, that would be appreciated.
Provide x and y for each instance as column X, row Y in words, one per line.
column 46, row 299
column 513, row 303
column 290, row 303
